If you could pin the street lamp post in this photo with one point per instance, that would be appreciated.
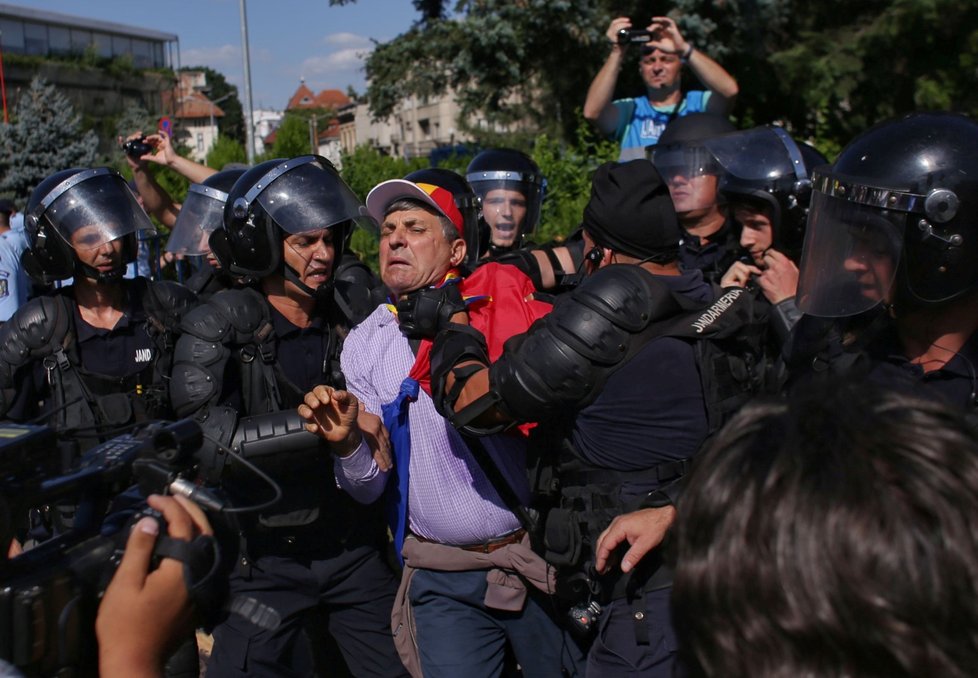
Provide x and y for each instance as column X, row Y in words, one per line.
column 249, row 116
column 214, row 103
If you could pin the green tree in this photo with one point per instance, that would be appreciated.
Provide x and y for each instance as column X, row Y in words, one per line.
column 43, row 137
column 232, row 124
column 225, row 150
column 291, row 138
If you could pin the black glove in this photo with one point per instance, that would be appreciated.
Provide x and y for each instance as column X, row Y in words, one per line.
column 427, row 311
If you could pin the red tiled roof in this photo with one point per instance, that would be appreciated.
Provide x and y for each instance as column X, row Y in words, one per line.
column 190, row 104
column 328, row 98
column 332, row 98
column 303, row 98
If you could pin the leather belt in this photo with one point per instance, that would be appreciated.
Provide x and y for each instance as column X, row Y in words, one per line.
column 485, row 547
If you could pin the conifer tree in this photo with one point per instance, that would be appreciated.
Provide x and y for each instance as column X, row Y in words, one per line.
column 44, row 137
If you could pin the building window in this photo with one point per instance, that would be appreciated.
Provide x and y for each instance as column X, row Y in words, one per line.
column 13, row 35
column 142, row 54
column 80, row 40
column 35, row 39
column 121, row 46
column 200, row 142
column 103, row 44
column 59, row 40
column 425, row 126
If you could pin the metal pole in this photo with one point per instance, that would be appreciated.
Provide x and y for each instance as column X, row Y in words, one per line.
column 249, row 121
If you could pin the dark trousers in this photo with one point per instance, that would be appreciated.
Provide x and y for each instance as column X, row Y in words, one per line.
column 635, row 640
column 263, row 636
column 459, row 636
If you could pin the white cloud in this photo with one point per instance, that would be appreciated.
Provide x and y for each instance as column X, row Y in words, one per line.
column 347, row 40
column 345, row 60
column 218, row 58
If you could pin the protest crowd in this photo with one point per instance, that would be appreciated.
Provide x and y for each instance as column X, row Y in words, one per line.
column 727, row 427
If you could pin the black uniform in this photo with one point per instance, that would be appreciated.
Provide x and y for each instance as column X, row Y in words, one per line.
column 716, row 256
column 316, row 547
column 91, row 379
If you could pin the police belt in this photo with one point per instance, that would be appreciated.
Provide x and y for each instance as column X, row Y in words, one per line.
column 576, row 475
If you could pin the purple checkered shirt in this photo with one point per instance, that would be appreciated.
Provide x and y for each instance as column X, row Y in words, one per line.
column 449, row 498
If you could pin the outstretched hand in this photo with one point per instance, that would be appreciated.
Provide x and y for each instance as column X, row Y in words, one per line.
column 643, row 530
column 332, row 414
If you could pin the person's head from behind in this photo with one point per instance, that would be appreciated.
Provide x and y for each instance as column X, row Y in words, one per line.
column 832, row 535
column 420, row 234
column 630, row 217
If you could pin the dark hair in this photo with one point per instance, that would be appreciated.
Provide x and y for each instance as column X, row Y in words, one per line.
column 832, row 535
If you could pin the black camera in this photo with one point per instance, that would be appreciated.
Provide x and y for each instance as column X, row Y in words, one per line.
column 137, row 148
column 49, row 594
column 634, row 35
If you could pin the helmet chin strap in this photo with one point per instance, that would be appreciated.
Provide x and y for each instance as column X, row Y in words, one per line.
column 92, row 273
column 319, row 293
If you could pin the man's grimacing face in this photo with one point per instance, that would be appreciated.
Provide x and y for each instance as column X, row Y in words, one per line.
column 414, row 251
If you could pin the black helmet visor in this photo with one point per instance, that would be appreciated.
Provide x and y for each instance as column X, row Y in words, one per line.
column 92, row 208
column 850, row 256
column 201, row 213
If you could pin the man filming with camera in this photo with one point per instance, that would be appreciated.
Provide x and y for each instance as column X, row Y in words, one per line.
column 637, row 122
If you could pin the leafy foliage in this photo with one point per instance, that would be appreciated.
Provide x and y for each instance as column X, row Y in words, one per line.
column 43, row 137
column 225, row 150
column 232, row 124
column 133, row 119
column 291, row 138
column 825, row 70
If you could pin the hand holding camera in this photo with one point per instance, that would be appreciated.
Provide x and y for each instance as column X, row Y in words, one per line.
column 144, row 610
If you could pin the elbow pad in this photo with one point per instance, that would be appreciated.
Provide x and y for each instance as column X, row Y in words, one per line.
column 565, row 358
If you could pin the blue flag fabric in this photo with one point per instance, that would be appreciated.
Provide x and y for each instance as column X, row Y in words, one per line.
column 396, row 420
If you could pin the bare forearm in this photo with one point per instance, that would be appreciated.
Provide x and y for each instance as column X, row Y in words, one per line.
column 194, row 171
column 713, row 76
column 156, row 201
column 602, row 89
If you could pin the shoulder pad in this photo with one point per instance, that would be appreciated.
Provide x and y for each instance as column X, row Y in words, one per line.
column 355, row 300
column 168, row 301
column 36, row 330
column 566, row 357
column 230, row 316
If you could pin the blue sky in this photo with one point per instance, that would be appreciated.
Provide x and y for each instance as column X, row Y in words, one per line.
column 290, row 39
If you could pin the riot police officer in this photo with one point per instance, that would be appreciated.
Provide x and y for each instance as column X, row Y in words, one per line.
column 767, row 185
column 693, row 175
column 93, row 356
column 245, row 361
column 611, row 443
column 888, row 282
column 511, row 189
column 201, row 213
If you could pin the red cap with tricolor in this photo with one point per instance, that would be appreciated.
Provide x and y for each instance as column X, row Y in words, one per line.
column 440, row 199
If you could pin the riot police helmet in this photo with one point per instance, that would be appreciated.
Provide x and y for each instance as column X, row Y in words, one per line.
column 682, row 158
column 74, row 213
column 512, row 188
column 764, row 167
column 201, row 213
column 280, row 198
column 466, row 201
column 895, row 219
